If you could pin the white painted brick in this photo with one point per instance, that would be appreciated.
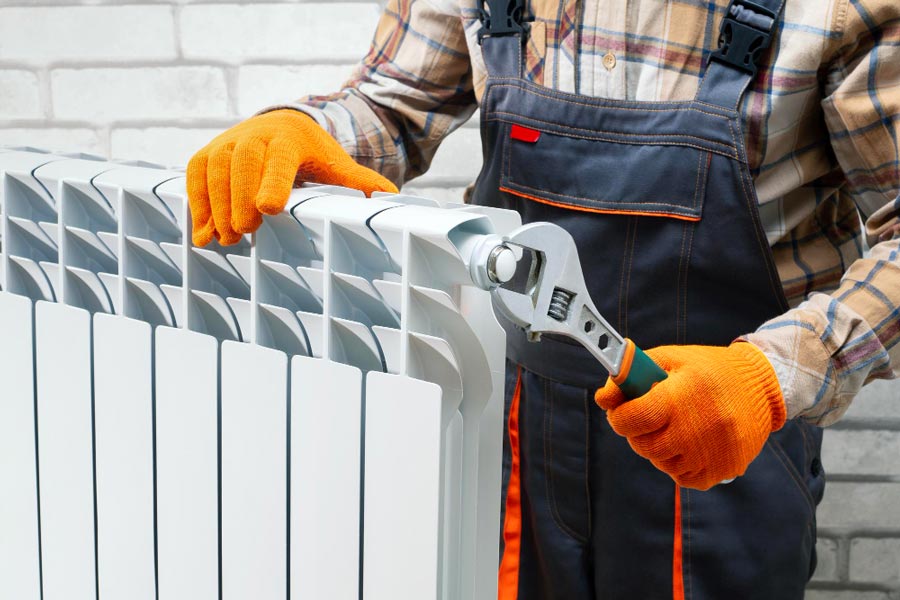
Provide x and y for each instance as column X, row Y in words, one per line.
column 442, row 194
column 58, row 139
column 260, row 86
column 845, row 595
column 875, row 505
column 43, row 35
column 19, row 95
column 171, row 146
column 875, row 560
column 145, row 93
column 457, row 161
column 324, row 31
column 861, row 452
column 826, row 560
column 878, row 400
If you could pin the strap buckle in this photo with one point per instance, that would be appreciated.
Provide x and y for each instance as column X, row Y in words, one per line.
column 506, row 17
column 746, row 32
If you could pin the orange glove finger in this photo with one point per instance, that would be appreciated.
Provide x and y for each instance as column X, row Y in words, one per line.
column 609, row 396
column 650, row 413
column 219, row 184
column 667, row 360
column 247, row 164
column 723, row 403
column 697, row 480
column 348, row 173
column 279, row 172
column 672, row 464
column 654, row 447
column 203, row 228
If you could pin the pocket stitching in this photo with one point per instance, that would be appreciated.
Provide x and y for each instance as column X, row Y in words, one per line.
column 595, row 135
column 791, row 470
column 612, row 104
column 651, row 208
column 548, row 471
column 627, row 206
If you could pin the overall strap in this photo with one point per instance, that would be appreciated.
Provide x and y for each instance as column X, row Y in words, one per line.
column 504, row 29
column 746, row 32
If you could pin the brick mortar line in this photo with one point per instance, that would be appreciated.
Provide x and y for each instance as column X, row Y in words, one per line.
column 867, row 424
column 855, row 586
column 187, row 123
column 861, row 478
column 179, row 62
column 176, row 31
column 842, row 568
column 116, row 3
column 845, row 533
column 232, row 90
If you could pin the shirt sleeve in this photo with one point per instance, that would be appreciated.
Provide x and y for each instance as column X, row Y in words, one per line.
column 412, row 89
column 828, row 347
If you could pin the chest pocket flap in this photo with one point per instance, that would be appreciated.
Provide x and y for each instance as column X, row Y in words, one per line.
column 606, row 172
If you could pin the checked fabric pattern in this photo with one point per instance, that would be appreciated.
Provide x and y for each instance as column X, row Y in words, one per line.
column 821, row 125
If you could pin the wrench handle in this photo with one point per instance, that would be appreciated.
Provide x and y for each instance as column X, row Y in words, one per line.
column 638, row 372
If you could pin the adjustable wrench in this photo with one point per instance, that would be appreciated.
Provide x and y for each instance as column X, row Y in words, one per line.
column 555, row 300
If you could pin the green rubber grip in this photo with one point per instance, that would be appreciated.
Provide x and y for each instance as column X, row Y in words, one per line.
column 641, row 376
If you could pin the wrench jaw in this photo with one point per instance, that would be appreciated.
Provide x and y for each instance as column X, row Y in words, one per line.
column 516, row 307
column 555, row 299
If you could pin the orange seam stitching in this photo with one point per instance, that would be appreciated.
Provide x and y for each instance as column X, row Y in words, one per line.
column 603, row 211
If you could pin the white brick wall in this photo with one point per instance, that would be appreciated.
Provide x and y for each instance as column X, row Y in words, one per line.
column 156, row 79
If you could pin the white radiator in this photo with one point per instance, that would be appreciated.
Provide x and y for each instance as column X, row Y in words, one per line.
column 315, row 413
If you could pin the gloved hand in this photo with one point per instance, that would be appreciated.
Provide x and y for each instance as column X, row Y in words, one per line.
column 250, row 169
column 708, row 420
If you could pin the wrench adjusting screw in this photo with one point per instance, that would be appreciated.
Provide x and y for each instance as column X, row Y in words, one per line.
column 559, row 304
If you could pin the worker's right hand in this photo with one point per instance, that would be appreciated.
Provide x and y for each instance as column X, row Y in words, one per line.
column 249, row 170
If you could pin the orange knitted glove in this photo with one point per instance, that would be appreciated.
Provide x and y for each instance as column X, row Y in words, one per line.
column 708, row 421
column 250, row 169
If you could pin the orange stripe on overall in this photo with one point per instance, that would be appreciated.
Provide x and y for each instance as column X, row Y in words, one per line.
column 508, row 585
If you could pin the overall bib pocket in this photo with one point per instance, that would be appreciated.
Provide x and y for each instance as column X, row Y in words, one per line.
column 609, row 176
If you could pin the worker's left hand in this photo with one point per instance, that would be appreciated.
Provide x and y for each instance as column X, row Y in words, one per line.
column 708, row 420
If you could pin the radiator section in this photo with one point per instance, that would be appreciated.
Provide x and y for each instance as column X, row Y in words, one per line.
column 313, row 413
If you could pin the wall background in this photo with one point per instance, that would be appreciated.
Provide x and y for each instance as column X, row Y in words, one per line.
column 155, row 80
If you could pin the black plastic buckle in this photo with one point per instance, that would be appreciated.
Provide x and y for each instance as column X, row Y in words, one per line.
column 507, row 17
column 741, row 44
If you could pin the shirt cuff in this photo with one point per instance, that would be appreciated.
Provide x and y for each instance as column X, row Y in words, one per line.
column 815, row 350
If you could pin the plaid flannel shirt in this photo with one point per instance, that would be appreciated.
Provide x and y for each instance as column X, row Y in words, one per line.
column 821, row 123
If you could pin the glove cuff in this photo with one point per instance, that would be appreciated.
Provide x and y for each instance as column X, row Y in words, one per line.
column 762, row 381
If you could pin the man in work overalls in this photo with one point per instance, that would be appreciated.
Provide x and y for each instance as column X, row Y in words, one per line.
column 711, row 161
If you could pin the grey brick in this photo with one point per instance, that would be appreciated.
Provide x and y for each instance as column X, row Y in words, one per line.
column 878, row 400
column 861, row 452
column 826, row 567
column 845, row 595
column 870, row 505
column 875, row 560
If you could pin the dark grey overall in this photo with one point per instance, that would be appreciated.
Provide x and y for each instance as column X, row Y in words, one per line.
column 659, row 198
